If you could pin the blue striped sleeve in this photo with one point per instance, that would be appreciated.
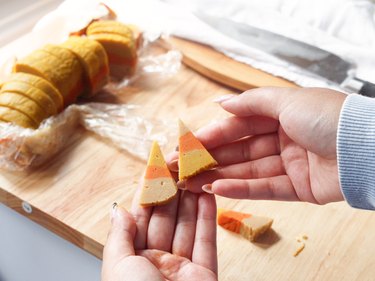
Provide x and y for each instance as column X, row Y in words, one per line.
column 356, row 151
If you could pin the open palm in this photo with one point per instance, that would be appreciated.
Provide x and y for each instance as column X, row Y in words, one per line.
column 279, row 145
column 176, row 241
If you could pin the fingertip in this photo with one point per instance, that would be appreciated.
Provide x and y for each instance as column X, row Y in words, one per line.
column 121, row 235
column 120, row 217
column 207, row 188
column 223, row 98
column 207, row 203
column 173, row 165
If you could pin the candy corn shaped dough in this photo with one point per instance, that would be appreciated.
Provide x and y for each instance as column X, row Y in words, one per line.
column 57, row 65
column 16, row 117
column 23, row 104
column 159, row 186
column 94, row 61
column 193, row 156
column 42, row 84
column 249, row 226
column 37, row 95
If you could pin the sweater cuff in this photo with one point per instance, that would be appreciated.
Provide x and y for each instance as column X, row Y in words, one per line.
column 356, row 151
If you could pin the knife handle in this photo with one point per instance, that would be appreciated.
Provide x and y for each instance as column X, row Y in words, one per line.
column 367, row 89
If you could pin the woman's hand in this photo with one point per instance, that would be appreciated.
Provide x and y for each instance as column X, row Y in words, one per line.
column 176, row 241
column 279, row 145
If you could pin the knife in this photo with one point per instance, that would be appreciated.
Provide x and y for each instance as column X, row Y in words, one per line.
column 314, row 60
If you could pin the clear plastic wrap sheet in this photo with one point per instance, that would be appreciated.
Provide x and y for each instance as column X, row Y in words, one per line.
column 122, row 124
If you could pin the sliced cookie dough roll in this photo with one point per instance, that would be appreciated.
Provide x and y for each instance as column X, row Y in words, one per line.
column 41, row 84
column 94, row 62
column 16, row 117
column 59, row 66
column 23, row 104
column 159, row 186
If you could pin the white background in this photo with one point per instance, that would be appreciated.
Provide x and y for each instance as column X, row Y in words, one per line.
column 29, row 252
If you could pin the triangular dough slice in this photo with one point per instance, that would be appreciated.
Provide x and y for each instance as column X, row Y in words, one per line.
column 159, row 186
column 249, row 226
column 193, row 156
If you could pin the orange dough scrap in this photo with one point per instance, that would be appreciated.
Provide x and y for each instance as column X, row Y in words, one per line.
column 248, row 225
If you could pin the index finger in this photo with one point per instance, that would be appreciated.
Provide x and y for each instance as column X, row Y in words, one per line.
column 227, row 131
column 235, row 128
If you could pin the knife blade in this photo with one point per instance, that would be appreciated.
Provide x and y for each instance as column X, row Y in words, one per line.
column 314, row 60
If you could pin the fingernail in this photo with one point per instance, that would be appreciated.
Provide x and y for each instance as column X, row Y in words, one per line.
column 173, row 165
column 223, row 98
column 207, row 188
column 114, row 210
column 181, row 185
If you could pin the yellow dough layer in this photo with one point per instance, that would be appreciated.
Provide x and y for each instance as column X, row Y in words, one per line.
column 23, row 104
column 16, row 117
column 42, row 84
column 109, row 26
column 194, row 162
column 37, row 95
column 193, row 156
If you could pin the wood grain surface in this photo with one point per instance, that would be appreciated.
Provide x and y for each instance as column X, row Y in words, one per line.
column 73, row 193
column 222, row 69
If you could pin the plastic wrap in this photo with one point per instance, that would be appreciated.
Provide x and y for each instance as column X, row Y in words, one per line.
column 123, row 124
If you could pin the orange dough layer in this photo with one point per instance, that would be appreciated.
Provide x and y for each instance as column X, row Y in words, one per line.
column 189, row 142
column 154, row 172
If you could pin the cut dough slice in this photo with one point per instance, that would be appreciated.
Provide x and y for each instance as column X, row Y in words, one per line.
column 111, row 27
column 249, row 226
column 94, row 61
column 16, row 117
column 121, row 51
column 193, row 156
column 42, row 84
column 23, row 104
column 37, row 95
column 69, row 72
column 159, row 186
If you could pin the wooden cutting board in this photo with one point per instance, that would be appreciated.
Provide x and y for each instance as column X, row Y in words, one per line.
column 220, row 68
column 72, row 194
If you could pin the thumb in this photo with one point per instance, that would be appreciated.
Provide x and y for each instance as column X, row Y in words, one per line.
column 267, row 101
column 120, row 241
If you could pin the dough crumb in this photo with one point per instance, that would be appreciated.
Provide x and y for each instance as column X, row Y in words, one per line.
column 299, row 249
